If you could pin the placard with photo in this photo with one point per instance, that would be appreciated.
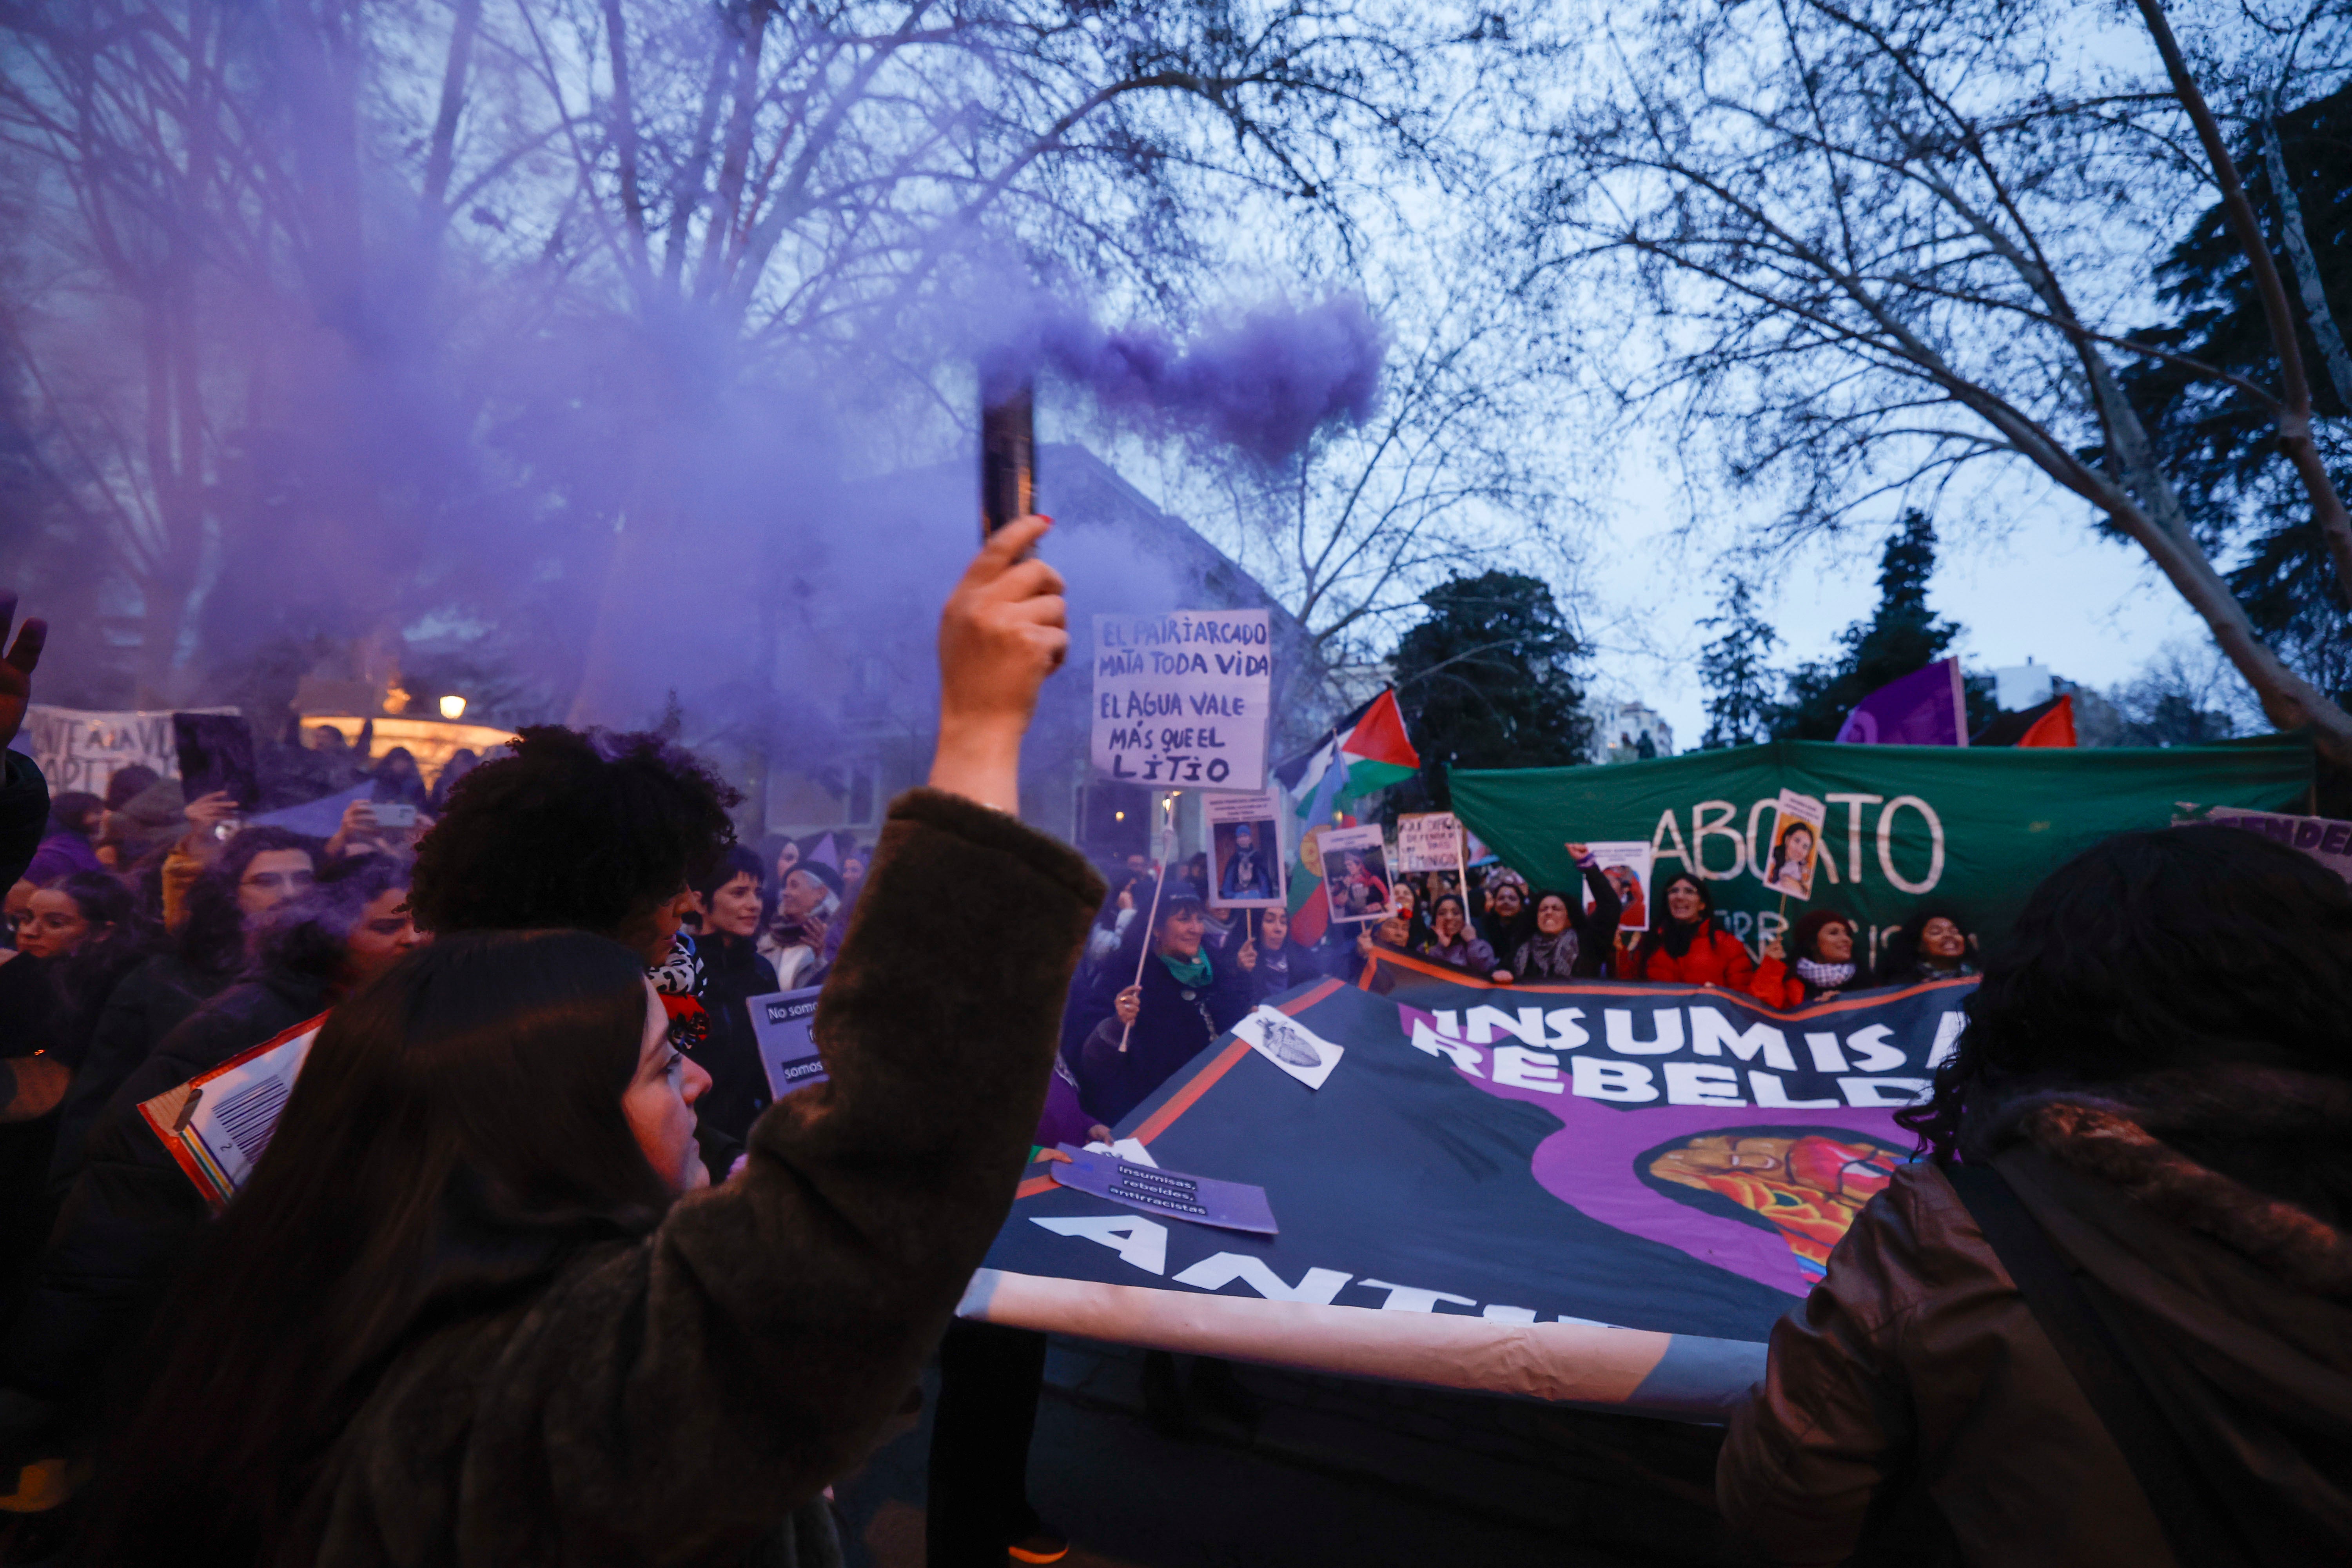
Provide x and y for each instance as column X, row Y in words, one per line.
column 1355, row 875
column 1245, row 869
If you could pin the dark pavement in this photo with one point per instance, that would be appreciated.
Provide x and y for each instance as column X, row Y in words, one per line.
column 1325, row 1471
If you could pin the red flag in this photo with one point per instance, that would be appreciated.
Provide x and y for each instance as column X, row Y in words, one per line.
column 2055, row 728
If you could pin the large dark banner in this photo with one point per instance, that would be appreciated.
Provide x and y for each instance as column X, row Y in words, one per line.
column 1673, row 1161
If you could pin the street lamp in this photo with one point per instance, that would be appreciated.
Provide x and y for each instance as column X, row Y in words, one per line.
column 453, row 707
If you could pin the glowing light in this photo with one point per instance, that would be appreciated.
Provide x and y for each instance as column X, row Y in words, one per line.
column 453, row 707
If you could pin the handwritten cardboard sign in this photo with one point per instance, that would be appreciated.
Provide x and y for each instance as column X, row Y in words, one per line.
column 1182, row 699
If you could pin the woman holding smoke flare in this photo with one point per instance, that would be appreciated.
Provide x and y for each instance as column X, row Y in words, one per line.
column 468, row 1309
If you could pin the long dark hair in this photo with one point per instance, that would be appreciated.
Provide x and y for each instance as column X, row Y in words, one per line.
column 1903, row 948
column 2169, row 951
column 1663, row 925
column 85, row 977
column 456, row 1133
column 309, row 934
column 1804, row 939
column 212, row 938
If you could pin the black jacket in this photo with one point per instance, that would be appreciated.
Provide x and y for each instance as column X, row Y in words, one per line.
column 147, row 1004
column 130, row 1218
column 24, row 816
column 1175, row 1024
column 732, row 971
column 1596, row 934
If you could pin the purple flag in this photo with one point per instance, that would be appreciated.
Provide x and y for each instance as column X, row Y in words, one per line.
column 1926, row 708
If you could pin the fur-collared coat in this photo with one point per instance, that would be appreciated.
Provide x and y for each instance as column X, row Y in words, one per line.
column 1916, row 1358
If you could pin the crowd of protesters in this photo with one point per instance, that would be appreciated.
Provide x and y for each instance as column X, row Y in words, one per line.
column 534, row 1269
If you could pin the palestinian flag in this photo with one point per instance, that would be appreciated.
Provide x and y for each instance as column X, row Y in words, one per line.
column 1366, row 751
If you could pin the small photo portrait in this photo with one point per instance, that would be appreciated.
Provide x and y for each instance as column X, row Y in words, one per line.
column 1247, row 870
column 1356, row 874
column 1796, row 845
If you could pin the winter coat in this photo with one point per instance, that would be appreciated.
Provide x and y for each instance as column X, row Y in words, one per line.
column 1175, row 1024
column 1917, row 1350
column 733, row 973
column 1715, row 957
column 1595, row 930
column 1468, row 951
column 23, row 815
column 1280, row 968
column 1777, row 983
column 147, row 1004
column 132, row 1217
column 673, row 1397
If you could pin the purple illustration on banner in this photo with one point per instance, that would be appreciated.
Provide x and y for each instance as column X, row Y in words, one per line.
column 1926, row 708
column 1763, row 1191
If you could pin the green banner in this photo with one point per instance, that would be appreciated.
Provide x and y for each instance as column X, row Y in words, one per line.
column 1974, row 827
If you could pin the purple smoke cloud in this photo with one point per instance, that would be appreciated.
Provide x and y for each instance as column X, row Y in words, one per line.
column 1265, row 383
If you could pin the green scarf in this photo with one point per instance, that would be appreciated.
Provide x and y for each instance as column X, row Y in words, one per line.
column 1195, row 974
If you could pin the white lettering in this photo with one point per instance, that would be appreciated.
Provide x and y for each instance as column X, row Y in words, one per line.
column 1518, row 1068
column 1872, row 1092
column 1412, row 1298
column 1827, row 1058
column 1597, row 1078
column 1877, row 1056
column 1948, row 1039
column 1667, row 829
column 1485, row 1021
column 1704, row 827
column 1696, row 1083
column 1566, row 1033
column 1665, row 1020
column 1853, row 805
column 1711, row 1031
column 1464, row 1057
column 1136, row 1240
column 1221, row 1269
column 1935, row 844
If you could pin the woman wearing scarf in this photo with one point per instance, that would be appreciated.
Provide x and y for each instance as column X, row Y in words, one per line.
column 1931, row 945
column 1688, row 948
column 1824, row 965
column 1508, row 919
column 1567, row 942
column 1452, row 941
column 1133, row 1035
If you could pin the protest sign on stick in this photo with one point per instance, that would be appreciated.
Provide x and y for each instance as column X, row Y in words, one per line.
column 1356, row 874
column 79, row 749
column 1626, row 863
column 1183, row 699
column 1796, row 845
column 1245, row 869
column 1163, row 850
column 1429, row 841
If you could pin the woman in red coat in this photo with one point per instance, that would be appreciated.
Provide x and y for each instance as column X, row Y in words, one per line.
column 1686, row 948
column 1823, row 965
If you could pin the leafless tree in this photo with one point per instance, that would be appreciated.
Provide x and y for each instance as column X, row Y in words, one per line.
column 1884, row 243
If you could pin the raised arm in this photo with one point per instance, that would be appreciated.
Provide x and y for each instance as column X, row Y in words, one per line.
column 678, row 1400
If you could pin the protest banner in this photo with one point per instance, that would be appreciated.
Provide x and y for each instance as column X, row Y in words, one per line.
column 2323, row 838
column 1590, row 1190
column 1356, row 873
column 782, row 1022
column 82, row 748
column 1796, row 844
column 1429, row 841
column 1245, row 869
column 1626, row 863
column 1975, row 827
column 1183, row 699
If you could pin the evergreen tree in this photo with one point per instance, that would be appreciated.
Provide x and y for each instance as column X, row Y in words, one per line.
column 1488, row 679
column 1903, row 636
column 1734, row 668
